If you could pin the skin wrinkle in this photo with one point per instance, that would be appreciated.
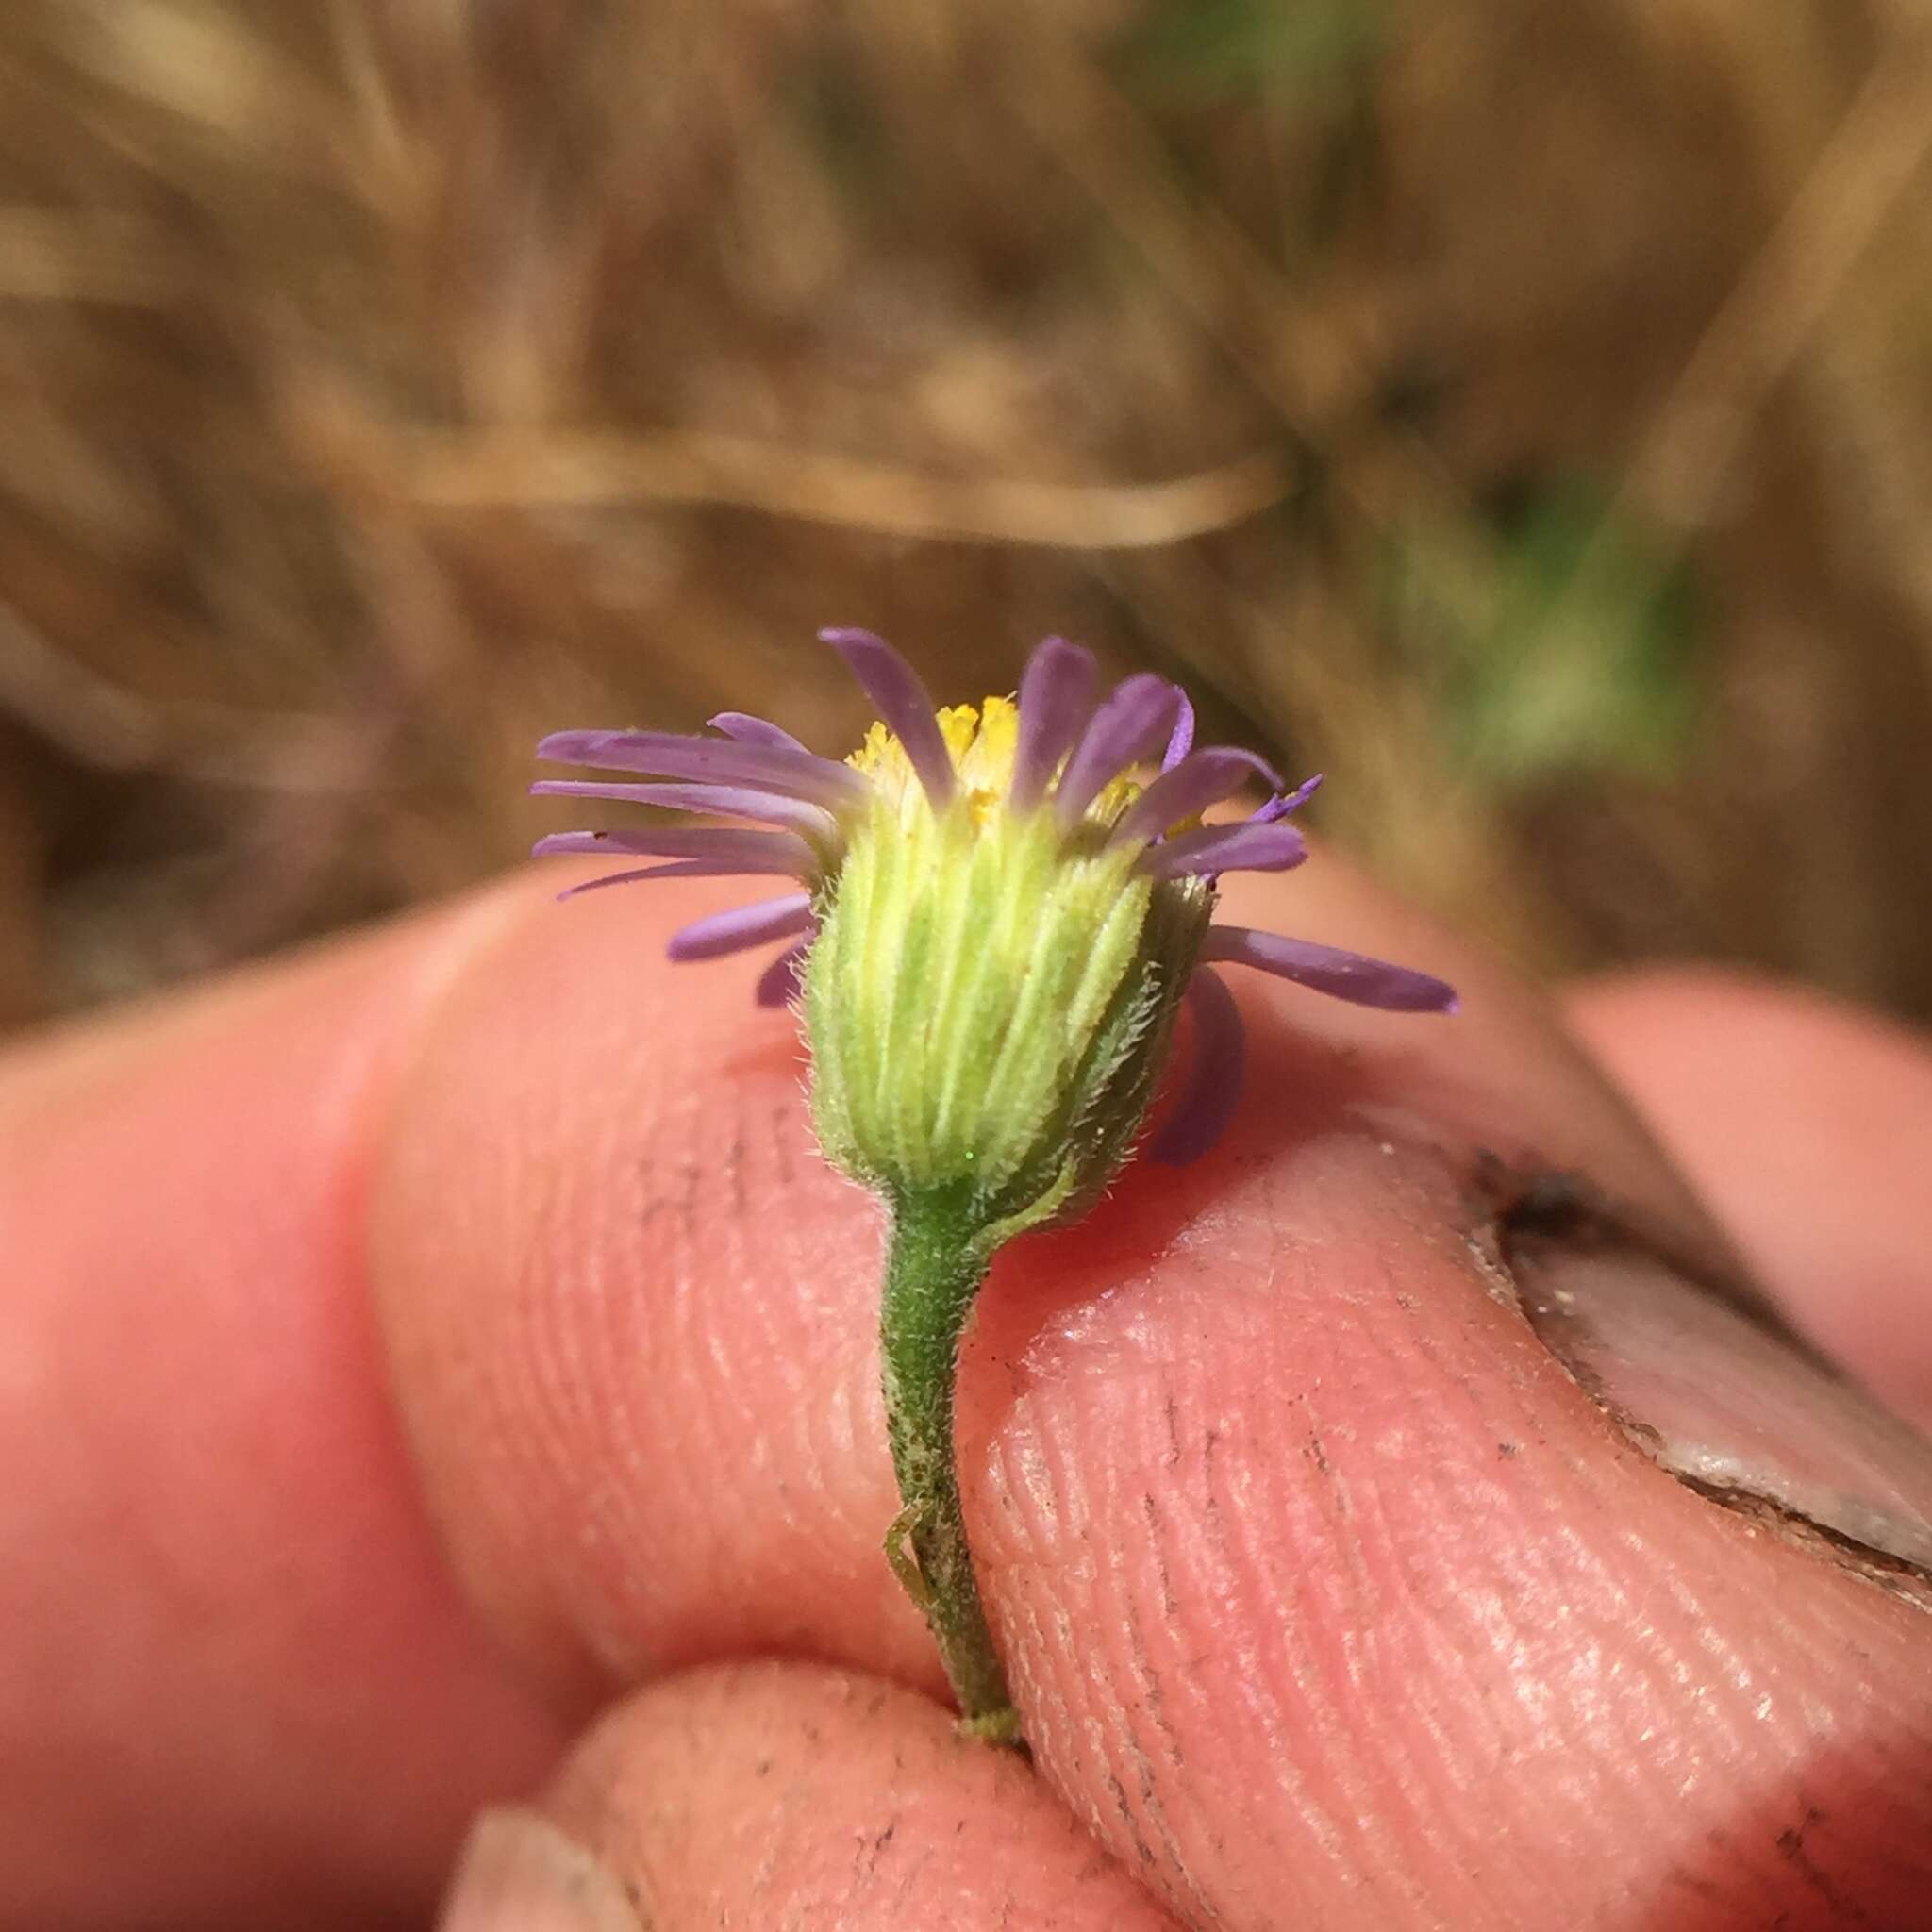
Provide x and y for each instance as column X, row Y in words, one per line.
column 1352, row 1615
column 800, row 1475
column 1598, row 1695
column 586, row 1363
column 841, row 1420
column 1104, row 1622
column 611, row 1387
column 1138, row 1680
column 1250, row 1676
column 1316, row 1712
column 578, row 1363
column 1357, row 1619
column 1360, row 1620
column 731, row 1440
column 534, row 1388
column 1428, row 1777
column 1646, row 1656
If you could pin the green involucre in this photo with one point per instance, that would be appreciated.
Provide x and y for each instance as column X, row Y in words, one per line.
column 988, row 1006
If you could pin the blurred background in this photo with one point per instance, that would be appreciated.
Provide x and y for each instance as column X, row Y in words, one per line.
column 1522, row 411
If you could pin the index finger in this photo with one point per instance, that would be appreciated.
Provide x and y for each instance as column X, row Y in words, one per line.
column 237, row 1684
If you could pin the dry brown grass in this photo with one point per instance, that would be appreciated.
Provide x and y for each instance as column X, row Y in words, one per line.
column 381, row 384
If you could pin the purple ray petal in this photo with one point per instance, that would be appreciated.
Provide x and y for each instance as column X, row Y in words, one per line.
column 1182, row 742
column 716, row 846
column 903, row 709
column 1201, row 780
column 778, row 983
column 1055, row 701
column 1226, row 848
column 673, row 869
column 716, row 761
column 728, row 801
column 1328, row 969
column 613, row 879
column 1211, row 1087
column 749, row 731
column 1136, row 713
column 1287, row 802
column 740, row 927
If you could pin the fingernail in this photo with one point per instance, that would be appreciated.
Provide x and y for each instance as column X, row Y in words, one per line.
column 1723, row 1400
column 517, row 1872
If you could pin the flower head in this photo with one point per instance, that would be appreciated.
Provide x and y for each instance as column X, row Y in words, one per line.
column 994, row 922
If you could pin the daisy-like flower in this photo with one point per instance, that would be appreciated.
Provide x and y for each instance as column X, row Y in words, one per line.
column 992, row 925
column 1037, row 795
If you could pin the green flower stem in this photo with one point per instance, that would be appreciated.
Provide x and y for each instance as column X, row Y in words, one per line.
column 937, row 1258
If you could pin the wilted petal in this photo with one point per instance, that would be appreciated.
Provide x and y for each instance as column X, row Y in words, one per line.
column 1214, row 849
column 1287, row 802
column 1055, row 701
column 725, row 850
column 671, row 869
column 1201, row 780
column 1328, row 969
column 903, row 709
column 778, row 983
column 1211, row 1087
column 741, row 928
column 1138, row 713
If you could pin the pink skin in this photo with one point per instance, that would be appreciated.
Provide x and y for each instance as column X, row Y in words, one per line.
column 866, row 1811
column 420, row 1349
column 1804, row 1124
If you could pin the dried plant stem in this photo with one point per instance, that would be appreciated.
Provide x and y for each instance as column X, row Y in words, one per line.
column 1869, row 164
column 583, row 469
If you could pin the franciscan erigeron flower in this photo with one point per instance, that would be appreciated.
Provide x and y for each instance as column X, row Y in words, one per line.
column 1042, row 785
column 992, row 929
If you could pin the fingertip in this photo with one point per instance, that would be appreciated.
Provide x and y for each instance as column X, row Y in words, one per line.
column 767, row 1794
column 1318, row 1573
column 1801, row 1121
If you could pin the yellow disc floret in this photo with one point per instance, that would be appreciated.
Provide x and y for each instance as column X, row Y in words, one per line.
column 983, row 740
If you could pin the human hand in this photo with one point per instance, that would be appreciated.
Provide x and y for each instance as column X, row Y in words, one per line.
column 421, row 1352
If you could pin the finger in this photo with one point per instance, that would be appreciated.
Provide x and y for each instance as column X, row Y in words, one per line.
column 769, row 1795
column 236, row 1685
column 1330, row 1595
column 1804, row 1123
column 630, row 1314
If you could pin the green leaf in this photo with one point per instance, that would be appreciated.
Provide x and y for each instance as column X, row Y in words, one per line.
column 1580, row 656
column 1220, row 46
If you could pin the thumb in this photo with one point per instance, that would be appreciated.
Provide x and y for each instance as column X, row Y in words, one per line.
column 1404, row 1520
